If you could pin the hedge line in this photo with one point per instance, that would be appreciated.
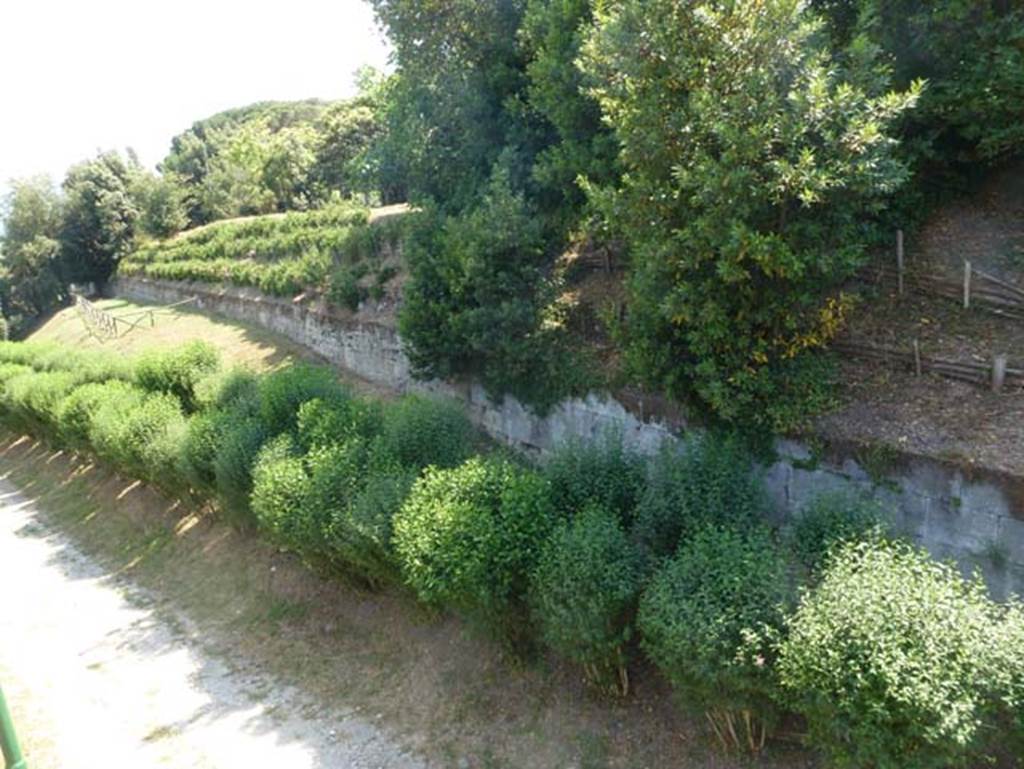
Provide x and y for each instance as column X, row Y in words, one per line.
column 279, row 255
column 891, row 658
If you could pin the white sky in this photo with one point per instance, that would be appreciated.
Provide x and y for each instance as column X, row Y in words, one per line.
column 84, row 75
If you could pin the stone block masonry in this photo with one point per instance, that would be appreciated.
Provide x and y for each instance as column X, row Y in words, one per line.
column 971, row 515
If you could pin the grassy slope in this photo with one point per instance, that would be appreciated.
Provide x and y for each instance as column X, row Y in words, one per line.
column 239, row 343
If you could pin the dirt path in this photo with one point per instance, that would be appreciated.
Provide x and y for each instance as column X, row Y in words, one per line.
column 97, row 676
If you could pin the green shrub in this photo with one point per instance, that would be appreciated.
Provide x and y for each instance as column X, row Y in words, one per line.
column 468, row 538
column 893, row 659
column 708, row 481
column 323, row 423
column 584, row 594
column 280, row 492
column 178, row 371
column 141, row 435
column 345, row 290
column 32, row 399
column 706, row 619
column 366, row 527
column 601, row 472
column 831, row 520
column 241, row 439
column 420, row 431
column 76, row 413
column 233, row 388
column 282, row 392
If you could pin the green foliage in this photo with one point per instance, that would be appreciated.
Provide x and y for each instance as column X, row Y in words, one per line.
column 282, row 392
column 141, row 435
column 76, row 413
column 280, row 493
column 478, row 302
column 832, row 520
column 600, row 472
column 709, row 481
column 228, row 388
column 366, row 527
column 584, row 593
column 740, row 235
column 30, row 277
column 33, row 399
column 580, row 145
column 705, row 620
column 280, row 256
column 972, row 56
column 419, row 431
column 453, row 108
column 893, row 659
column 100, row 217
column 467, row 538
column 242, row 436
column 178, row 371
column 162, row 202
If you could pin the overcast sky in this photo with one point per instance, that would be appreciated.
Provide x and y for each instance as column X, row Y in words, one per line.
column 84, row 75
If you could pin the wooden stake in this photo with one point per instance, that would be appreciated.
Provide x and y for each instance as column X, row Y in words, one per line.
column 967, row 285
column 899, row 260
column 917, row 357
column 998, row 373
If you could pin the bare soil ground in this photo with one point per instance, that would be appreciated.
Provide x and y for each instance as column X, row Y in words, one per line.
column 360, row 671
column 931, row 415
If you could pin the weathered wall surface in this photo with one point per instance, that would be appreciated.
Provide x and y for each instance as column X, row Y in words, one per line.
column 971, row 515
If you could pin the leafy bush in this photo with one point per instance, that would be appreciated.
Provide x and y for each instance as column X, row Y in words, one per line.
column 282, row 392
column 241, row 439
column 478, row 302
column 420, row 431
column 741, row 236
column 141, row 434
column 469, row 537
column 893, row 659
column 323, row 423
column 233, row 388
column 77, row 412
column 584, row 593
column 831, row 520
column 33, row 398
column 280, row 492
column 178, row 371
column 366, row 527
column 708, row 481
column 706, row 619
column 600, row 472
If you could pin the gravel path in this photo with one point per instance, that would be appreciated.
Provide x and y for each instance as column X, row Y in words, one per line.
column 96, row 677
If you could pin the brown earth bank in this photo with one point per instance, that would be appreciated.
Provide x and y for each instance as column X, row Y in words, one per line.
column 441, row 690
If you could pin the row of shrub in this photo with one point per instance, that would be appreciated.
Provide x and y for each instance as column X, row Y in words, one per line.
column 279, row 255
column 597, row 555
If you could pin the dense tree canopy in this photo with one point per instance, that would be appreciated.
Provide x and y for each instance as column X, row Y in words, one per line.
column 30, row 278
column 100, row 216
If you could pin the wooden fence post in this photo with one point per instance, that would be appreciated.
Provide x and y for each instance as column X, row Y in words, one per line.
column 998, row 373
column 917, row 357
column 899, row 260
column 967, row 285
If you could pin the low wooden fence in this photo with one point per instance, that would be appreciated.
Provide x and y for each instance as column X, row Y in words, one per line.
column 997, row 375
column 104, row 326
column 976, row 288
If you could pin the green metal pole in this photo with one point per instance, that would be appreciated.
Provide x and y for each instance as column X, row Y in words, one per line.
column 8, row 741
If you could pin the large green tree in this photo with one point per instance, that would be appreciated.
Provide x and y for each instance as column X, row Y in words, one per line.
column 971, row 52
column 30, row 279
column 753, row 165
column 100, row 216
